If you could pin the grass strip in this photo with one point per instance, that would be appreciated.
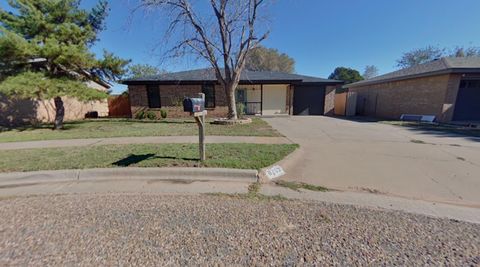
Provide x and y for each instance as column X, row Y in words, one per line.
column 253, row 194
column 105, row 128
column 296, row 186
column 238, row 156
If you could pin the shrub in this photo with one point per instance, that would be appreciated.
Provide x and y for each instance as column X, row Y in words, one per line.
column 177, row 101
column 150, row 115
column 140, row 115
column 163, row 113
column 240, row 110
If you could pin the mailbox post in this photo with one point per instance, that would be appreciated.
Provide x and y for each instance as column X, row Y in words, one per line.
column 200, row 119
column 196, row 107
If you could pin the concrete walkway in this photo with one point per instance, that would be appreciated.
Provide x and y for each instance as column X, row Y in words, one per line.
column 142, row 140
column 383, row 159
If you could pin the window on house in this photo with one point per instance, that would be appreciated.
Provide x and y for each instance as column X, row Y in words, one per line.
column 209, row 91
column 153, row 94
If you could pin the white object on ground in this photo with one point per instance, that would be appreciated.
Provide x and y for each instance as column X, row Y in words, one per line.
column 275, row 172
column 416, row 117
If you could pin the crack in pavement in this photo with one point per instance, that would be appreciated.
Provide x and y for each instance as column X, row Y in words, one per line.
column 96, row 142
column 412, row 157
column 458, row 157
column 444, row 186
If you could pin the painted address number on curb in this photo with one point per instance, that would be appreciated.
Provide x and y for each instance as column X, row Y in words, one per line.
column 275, row 172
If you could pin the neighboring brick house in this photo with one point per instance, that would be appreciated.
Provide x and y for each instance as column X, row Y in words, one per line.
column 448, row 88
column 261, row 92
column 14, row 112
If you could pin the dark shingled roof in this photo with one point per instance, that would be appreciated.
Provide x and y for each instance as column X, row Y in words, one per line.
column 247, row 76
column 436, row 67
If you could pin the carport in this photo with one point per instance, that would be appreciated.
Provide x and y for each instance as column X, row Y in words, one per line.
column 314, row 96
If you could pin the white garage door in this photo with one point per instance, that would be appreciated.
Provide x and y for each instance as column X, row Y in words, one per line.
column 274, row 99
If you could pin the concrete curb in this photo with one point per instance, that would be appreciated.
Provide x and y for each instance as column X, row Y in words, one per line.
column 112, row 174
column 286, row 163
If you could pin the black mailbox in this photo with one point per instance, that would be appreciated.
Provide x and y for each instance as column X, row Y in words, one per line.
column 193, row 105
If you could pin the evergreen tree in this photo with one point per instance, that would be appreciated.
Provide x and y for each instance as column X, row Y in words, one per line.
column 346, row 74
column 44, row 51
column 142, row 71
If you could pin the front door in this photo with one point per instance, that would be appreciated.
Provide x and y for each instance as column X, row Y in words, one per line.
column 241, row 96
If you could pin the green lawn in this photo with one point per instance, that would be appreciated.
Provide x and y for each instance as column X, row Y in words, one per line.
column 239, row 156
column 124, row 127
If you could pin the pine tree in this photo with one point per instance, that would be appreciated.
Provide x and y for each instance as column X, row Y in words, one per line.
column 44, row 51
column 347, row 75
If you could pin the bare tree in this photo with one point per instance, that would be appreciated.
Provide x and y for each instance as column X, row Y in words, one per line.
column 420, row 56
column 224, row 41
column 461, row 51
column 430, row 53
column 370, row 72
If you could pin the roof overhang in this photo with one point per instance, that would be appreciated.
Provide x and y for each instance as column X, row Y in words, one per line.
column 421, row 75
column 243, row 82
column 322, row 83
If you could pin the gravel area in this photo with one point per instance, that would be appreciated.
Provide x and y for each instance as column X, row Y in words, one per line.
column 143, row 229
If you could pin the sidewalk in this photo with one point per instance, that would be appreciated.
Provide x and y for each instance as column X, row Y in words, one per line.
column 142, row 140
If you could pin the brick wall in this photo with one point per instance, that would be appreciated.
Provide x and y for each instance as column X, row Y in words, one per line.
column 329, row 106
column 138, row 98
column 450, row 97
column 14, row 112
column 171, row 99
column 289, row 102
column 172, row 95
column 426, row 95
column 220, row 96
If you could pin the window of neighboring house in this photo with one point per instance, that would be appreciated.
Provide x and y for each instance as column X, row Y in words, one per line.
column 209, row 91
column 153, row 95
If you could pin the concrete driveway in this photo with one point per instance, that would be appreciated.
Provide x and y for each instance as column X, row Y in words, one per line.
column 384, row 159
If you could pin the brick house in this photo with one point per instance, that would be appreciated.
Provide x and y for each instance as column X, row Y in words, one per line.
column 262, row 93
column 448, row 88
column 14, row 111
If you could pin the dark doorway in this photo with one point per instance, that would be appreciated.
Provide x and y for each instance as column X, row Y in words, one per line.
column 467, row 107
column 309, row 100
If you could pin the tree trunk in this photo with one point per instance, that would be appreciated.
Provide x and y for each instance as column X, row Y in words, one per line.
column 59, row 113
column 232, row 105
